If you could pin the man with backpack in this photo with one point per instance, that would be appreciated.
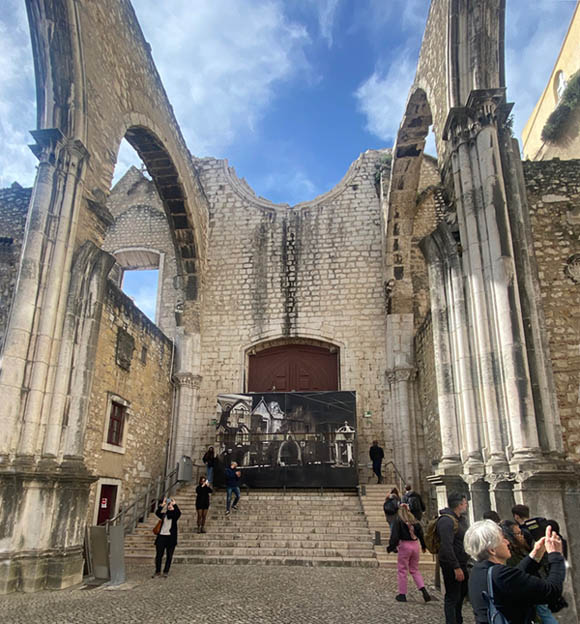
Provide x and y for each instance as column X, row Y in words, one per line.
column 414, row 501
column 450, row 528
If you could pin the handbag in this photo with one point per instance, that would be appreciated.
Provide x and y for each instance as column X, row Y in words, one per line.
column 494, row 616
column 157, row 527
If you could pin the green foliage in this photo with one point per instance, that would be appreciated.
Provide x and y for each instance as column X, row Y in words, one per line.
column 382, row 166
column 552, row 130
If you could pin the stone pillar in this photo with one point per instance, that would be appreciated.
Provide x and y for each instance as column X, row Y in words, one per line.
column 48, row 554
column 401, row 375
column 186, row 428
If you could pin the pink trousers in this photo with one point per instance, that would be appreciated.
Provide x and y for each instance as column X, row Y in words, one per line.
column 408, row 561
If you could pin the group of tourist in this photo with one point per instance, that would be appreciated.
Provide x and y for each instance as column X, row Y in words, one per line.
column 169, row 513
column 519, row 565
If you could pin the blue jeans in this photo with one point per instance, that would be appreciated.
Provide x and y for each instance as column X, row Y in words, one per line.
column 209, row 475
column 236, row 491
column 544, row 612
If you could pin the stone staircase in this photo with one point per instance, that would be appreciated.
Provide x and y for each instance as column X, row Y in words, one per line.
column 272, row 527
column 372, row 503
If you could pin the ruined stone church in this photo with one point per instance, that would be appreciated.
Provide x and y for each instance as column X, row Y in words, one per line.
column 443, row 292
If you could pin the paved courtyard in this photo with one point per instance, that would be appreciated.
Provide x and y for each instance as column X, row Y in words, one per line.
column 234, row 594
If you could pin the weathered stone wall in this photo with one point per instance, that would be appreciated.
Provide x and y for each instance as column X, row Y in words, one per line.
column 427, row 394
column 310, row 271
column 140, row 223
column 554, row 201
column 13, row 210
column 145, row 387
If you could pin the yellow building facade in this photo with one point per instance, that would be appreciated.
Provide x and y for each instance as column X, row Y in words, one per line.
column 567, row 145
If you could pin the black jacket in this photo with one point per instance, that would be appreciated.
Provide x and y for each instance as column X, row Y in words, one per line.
column 376, row 453
column 202, row 499
column 400, row 532
column 451, row 553
column 516, row 590
column 172, row 515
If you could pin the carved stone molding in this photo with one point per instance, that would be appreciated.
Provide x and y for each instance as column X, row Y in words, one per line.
column 401, row 374
column 188, row 380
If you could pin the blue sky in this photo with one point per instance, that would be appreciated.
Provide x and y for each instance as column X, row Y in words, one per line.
column 290, row 92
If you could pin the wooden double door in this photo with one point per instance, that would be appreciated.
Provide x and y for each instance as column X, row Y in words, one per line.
column 293, row 368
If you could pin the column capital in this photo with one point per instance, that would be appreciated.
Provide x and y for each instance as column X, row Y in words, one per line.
column 188, row 380
column 401, row 374
column 483, row 108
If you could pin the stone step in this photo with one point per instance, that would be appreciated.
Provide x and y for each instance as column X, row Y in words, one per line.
column 266, row 552
column 367, row 562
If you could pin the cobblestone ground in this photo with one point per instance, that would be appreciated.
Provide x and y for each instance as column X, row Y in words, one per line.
column 237, row 595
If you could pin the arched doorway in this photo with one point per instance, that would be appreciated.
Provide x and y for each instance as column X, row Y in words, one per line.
column 294, row 367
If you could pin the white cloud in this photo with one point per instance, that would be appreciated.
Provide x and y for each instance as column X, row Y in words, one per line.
column 382, row 97
column 236, row 56
column 17, row 104
column 292, row 183
column 326, row 18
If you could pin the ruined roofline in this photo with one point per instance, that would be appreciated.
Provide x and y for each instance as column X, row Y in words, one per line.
column 245, row 191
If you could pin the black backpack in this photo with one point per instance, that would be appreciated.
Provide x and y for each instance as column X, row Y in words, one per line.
column 391, row 506
column 414, row 503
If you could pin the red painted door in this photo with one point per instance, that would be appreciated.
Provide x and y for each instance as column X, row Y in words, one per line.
column 107, row 500
column 299, row 368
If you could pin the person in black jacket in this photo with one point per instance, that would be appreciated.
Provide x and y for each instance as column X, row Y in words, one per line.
column 516, row 590
column 451, row 527
column 415, row 502
column 168, row 512
column 209, row 459
column 406, row 536
column 377, row 454
column 203, row 490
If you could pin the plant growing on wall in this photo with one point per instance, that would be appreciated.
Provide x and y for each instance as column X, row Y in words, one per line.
column 552, row 130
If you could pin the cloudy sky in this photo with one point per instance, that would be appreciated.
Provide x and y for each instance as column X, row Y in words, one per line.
column 289, row 91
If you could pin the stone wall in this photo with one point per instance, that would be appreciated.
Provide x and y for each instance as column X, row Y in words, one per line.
column 282, row 273
column 143, row 383
column 554, row 202
column 140, row 224
column 13, row 210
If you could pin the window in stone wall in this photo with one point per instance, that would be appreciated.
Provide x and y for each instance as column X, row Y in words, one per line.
column 116, row 422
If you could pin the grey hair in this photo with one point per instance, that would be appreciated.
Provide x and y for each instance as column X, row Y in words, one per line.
column 480, row 537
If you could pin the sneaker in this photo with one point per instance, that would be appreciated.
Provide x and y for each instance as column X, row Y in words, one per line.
column 235, row 507
column 401, row 597
column 426, row 596
column 156, row 575
column 165, row 574
column 228, row 512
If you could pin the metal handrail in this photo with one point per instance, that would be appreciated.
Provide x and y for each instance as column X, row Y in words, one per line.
column 402, row 480
column 141, row 506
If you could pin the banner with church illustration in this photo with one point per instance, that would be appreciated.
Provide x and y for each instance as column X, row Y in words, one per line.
column 294, row 439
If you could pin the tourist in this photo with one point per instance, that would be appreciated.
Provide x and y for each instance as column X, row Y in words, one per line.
column 209, row 459
column 492, row 515
column 391, row 506
column 533, row 529
column 516, row 591
column 233, row 477
column 451, row 527
column 168, row 512
column 377, row 454
column 415, row 502
column 517, row 542
column 406, row 535
column 203, row 490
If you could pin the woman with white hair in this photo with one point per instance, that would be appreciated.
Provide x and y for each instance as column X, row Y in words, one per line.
column 515, row 590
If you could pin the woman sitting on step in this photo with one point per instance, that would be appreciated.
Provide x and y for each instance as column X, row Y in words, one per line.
column 203, row 490
column 406, row 535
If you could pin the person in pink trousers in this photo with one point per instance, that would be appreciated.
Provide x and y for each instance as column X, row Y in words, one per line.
column 406, row 539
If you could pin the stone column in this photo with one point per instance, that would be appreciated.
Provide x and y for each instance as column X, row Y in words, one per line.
column 186, row 430
column 401, row 375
